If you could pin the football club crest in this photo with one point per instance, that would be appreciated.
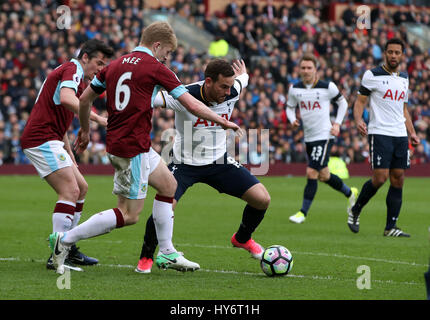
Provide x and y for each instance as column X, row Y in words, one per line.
column 144, row 187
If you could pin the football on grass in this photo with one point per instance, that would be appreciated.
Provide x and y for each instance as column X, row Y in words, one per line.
column 277, row 261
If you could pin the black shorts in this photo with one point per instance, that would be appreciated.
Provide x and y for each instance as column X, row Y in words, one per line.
column 318, row 153
column 388, row 152
column 228, row 177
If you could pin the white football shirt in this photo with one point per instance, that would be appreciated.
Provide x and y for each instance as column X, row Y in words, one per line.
column 313, row 102
column 197, row 141
column 388, row 93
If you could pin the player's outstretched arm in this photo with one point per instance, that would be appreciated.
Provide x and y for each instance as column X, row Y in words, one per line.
column 198, row 109
column 358, row 114
column 69, row 100
column 85, row 103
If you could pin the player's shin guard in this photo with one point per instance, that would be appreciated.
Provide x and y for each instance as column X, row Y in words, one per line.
column 150, row 240
column 394, row 203
column 308, row 195
column 251, row 218
column 163, row 220
column 62, row 218
column 336, row 183
column 366, row 193
column 78, row 211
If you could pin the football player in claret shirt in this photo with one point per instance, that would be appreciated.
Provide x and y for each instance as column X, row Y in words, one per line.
column 45, row 142
column 313, row 97
column 206, row 161
column 131, row 83
column 386, row 90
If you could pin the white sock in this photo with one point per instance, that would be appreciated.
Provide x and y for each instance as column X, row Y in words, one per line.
column 163, row 219
column 62, row 218
column 78, row 212
column 98, row 224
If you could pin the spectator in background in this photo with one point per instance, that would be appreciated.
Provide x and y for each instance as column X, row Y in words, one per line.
column 250, row 9
column 269, row 10
column 348, row 16
column 232, row 10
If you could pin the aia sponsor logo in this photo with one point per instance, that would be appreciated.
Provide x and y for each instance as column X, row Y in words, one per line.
column 206, row 123
column 394, row 96
column 310, row 105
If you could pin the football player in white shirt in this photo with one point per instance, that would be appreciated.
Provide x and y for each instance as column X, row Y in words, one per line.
column 386, row 89
column 205, row 159
column 313, row 98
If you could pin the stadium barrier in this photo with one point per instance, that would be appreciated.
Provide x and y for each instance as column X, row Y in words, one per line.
column 278, row 169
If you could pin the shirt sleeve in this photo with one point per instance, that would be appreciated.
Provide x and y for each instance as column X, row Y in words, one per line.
column 172, row 103
column 341, row 110
column 71, row 77
column 164, row 100
column 292, row 101
column 291, row 114
column 334, row 93
column 407, row 92
column 169, row 81
column 241, row 82
column 367, row 84
column 98, row 84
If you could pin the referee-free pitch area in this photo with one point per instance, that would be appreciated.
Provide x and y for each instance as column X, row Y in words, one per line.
column 330, row 262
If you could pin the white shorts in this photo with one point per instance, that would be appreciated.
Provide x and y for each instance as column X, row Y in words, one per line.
column 132, row 174
column 48, row 157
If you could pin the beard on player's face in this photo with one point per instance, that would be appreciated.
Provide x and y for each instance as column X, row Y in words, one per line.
column 308, row 77
column 393, row 64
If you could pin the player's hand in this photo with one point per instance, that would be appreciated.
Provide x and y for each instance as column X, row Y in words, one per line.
column 296, row 124
column 239, row 67
column 335, row 129
column 239, row 133
column 233, row 126
column 415, row 140
column 82, row 141
column 362, row 128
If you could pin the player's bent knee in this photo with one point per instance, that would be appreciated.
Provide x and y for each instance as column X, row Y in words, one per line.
column 168, row 188
column 265, row 202
column 130, row 219
column 71, row 194
column 261, row 199
column 323, row 178
column 311, row 173
column 378, row 181
column 397, row 181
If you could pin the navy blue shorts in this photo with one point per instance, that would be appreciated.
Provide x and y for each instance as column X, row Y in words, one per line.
column 388, row 152
column 318, row 153
column 228, row 177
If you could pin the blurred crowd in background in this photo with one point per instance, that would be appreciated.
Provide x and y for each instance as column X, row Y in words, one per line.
column 270, row 39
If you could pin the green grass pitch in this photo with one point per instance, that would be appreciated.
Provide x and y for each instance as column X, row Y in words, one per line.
column 326, row 254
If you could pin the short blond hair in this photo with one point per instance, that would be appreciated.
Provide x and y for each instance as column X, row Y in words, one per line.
column 159, row 31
